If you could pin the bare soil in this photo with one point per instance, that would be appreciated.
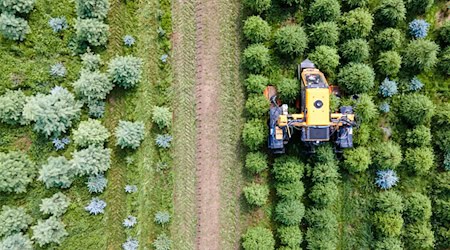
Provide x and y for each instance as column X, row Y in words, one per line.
column 207, row 94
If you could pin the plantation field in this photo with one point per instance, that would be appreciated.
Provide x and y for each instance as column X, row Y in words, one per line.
column 141, row 124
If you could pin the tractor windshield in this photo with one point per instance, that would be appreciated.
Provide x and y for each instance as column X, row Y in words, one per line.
column 315, row 81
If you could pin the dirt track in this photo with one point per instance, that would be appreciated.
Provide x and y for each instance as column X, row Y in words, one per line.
column 207, row 94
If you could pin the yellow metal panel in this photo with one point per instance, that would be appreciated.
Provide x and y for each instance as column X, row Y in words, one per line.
column 318, row 116
column 282, row 120
column 297, row 116
column 278, row 133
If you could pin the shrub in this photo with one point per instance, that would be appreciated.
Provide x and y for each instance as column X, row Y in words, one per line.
column 254, row 134
column 325, row 58
column 13, row 28
column 130, row 189
column 445, row 61
column 97, row 183
column 96, row 109
column 389, row 39
column 444, row 33
column 289, row 212
column 256, row 162
column 384, row 107
column 96, row 206
column 129, row 222
column 90, row 132
column 256, row 57
column 324, row 194
column 57, row 172
column 17, row 172
column 162, row 242
column 355, row 50
column 129, row 40
column 49, row 231
column 256, row 83
column 125, row 71
column 390, row 12
column 386, row 179
column 419, row 236
column 258, row 238
column 258, row 6
column 58, row 70
column 256, row 194
column 416, row 109
column 53, row 114
column 420, row 55
column 291, row 40
column 56, row 205
column 388, row 225
column 389, row 63
column 288, row 89
column 356, row 23
column 388, row 88
column 91, row 161
column 11, row 106
column 417, row 208
column 290, row 236
column 387, row 155
column 418, row 28
column 16, row 242
column 162, row 217
column 257, row 105
column 290, row 190
column 92, row 86
column 356, row 78
column 13, row 220
column 389, row 202
column 58, row 24
column 324, row 173
column 256, row 29
column 91, row 61
column 162, row 117
column 365, row 108
column 163, row 141
column 325, row 154
column 92, row 8
column 287, row 169
column 17, row 6
column 389, row 243
column 92, row 31
column 129, row 134
column 357, row 159
column 415, row 84
column 324, row 33
column 418, row 6
column 324, row 11
column 420, row 136
column 446, row 162
column 322, row 230
column 419, row 160
column 130, row 244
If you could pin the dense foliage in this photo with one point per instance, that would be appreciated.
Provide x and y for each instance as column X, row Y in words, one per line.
column 291, row 40
column 256, row 194
column 256, row 162
column 289, row 212
column 356, row 23
column 17, row 171
column 57, row 172
column 355, row 50
column 56, row 205
column 11, row 106
column 256, row 57
column 389, row 63
column 92, row 86
column 357, row 159
column 256, row 30
column 125, row 71
column 162, row 117
column 356, row 78
column 13, row 220
column 325, row 58
column 258, row 238
column 49, row 231
column 256, row 83
column 390, row 12
column 389, row 39
column 257, row 105
column 386, row 155
column 254, row 134
column 92, row 160
column 90, row 132
column 420, row 55
column 16, row 241
column 129, row 134
column 92, row 8
column 419, row 160
column 257, row 6
column 92, row 31
column 287, row 169
column 324, row 11
column 416, row 109
column 14, row 28
column 324, row 33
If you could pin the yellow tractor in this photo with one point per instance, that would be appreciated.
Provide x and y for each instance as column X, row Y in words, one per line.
column 315, row 122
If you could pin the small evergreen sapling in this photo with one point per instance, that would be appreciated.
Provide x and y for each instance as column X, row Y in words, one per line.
column 92, row 8
column 162, row 116
column 164, row 58
column 13, row 220
column 49, row 231
column 129, row 40
column 420, row 55
column 257, row 105
column 60, row 144
column 13, row 28
column 17, row 171
column 287, row 169
column 129, row 222
column 356, row 78
column 92, row 86
column 256, row 83
column 91, row 61
column 290, row 236
column 256, row 29
column 419, row 160
column 387, row 155
column 388, row 88
column 96, row 109
column 258, row 238
column 256, row 194
column 56, row 205
column 324, row 33
column 125, row 71
column 163, row 141
column 290, row 190
column 57, row 172
column 162, row 242
column 356, row 23
column 389, row 39
column 258, row 6
column 289, row 213
column 97, row 183
column 131, row 189
column 288, row 89
column 256, row 57
column 324, row 11
column 162, row 217
column 92, row 31
column 390, row 12
column 96, row 206
column 357, row 159
column 58, row 24
column 355, row 50
column 419, row 28
column 93, row 160
column 254, row 134
column 11, row 106
column 58, row 70
column 291, row 40
column 389, row 63
column 386, row 179
column 16, row 241
column 256, row 162
column 130, row 244
column 17, row 6
column 384, row 107
column 129, row 134
column 420, row 136
column 366, row 108
column 90, row 132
